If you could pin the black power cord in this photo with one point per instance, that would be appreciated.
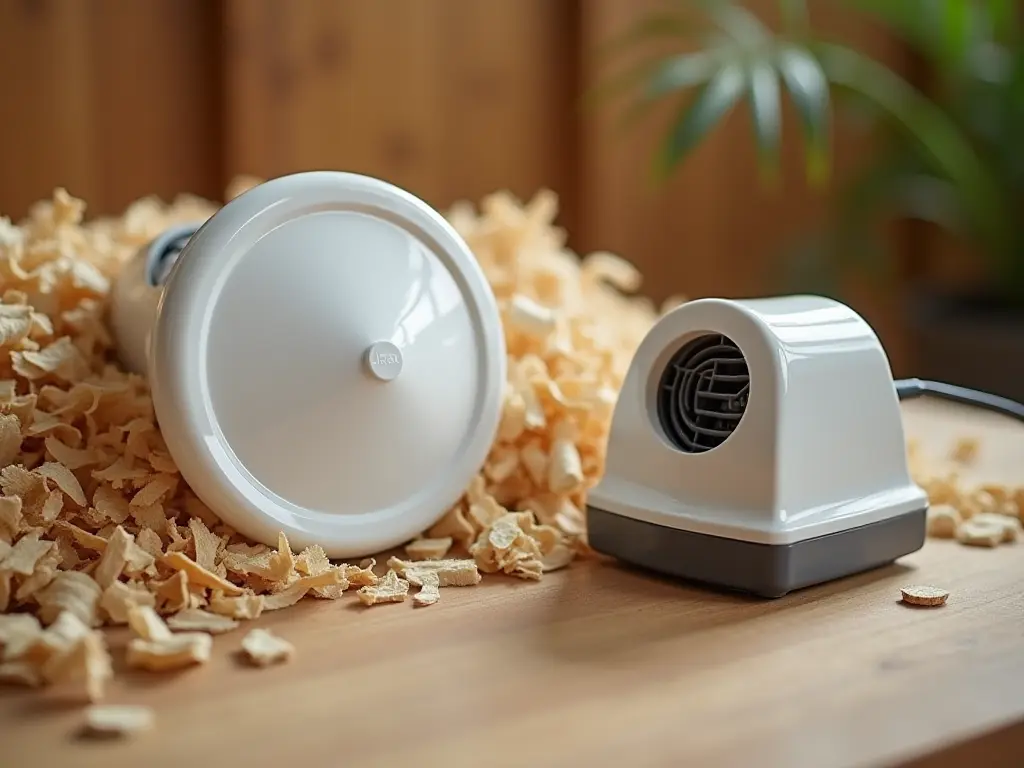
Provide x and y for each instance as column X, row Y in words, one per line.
column 907, row 389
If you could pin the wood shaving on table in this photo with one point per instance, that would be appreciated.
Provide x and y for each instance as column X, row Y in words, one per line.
column 923, row 595
column 261, row 648
column 977, row 515
column 117, row 720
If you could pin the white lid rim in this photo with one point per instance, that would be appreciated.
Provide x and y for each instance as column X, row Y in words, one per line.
column 182, row 404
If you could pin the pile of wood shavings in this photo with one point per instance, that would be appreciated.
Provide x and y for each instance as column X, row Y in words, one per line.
column 97, row 527
column 982, row 515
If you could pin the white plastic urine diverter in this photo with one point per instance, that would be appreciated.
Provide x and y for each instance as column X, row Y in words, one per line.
column 325, row 357
column 758, row 445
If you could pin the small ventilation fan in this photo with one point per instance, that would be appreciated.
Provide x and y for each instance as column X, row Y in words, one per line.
column 758, row 445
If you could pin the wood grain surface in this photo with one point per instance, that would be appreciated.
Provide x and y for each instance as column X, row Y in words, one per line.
column 604, row 666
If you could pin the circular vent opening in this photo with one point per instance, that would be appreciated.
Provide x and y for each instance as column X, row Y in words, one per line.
column 703, row 393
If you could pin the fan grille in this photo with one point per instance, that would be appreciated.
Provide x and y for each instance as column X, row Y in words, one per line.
column 703, row 393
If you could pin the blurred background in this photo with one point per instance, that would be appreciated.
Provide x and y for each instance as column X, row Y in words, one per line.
column 455, row 99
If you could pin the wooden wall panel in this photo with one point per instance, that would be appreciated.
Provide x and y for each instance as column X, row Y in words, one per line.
column 113, row 99
column 48, row 129
column 157, row 92
column 451, row 98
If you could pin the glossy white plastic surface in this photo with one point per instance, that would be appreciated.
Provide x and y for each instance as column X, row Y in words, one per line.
column 136, row 299
column 820, row 447
column 133, row 310
column 327, row 360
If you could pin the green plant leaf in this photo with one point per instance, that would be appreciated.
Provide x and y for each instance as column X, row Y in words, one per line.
column 697, row 117
column 913, row 20
column 808, row 87
column 956, row 19
column 1002, row 15
column 766, row 112
column 948, row 152
column 944, row 31
column 896, row 186
column 679, row 72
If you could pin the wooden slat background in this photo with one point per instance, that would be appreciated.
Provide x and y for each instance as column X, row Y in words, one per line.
column 113, row 99
column 452, row 99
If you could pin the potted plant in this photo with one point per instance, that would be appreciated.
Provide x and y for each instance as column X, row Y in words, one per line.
column 952, row 154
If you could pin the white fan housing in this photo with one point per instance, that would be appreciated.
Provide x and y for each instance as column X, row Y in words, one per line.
column 325, row 357
column 758, row 445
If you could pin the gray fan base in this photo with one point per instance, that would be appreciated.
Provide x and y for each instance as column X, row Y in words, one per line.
column 762, row 569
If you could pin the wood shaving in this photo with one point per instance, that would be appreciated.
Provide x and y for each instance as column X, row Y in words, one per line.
column 429, row 589
column 207, row 545
column 119, row 598
column 530, row 318
column 20, row 673
column 455, row 526
column 295, row 591
column 559, row 557
column 25, row 554
column 10, row 517
column 196, row 573
column 86, row 662
column 505, row 546
column 241, row 607
column 121, row 555
column 450, row 573
column 59, row 638
column 172, row 594
column 361, row 575
column 1010, row 526
column 45, row 571
column 71, row 458
column 17, row 632
column 147, row 624
column 148, row 540
column 121, row 720
column 82, row 537
column 979, row 534
column 982, row 516
column 280, row 564
column 64, row 479
column 262, row 648
column 198, row 620
column 428, row 549
column 312, row 561
column 389, row 589
column 965, row 451
column 10, row 433
column 170, row 653
column 70, row 591
column 924, row 595
column 565, row 470
column 943, row 520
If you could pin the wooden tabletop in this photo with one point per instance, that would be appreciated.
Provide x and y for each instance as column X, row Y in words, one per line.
column 599, row 665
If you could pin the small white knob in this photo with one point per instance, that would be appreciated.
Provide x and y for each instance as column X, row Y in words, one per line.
column 384, row 360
